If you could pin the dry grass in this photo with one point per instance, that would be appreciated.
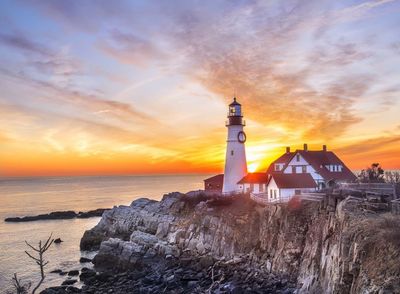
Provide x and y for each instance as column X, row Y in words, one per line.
column 380, row 241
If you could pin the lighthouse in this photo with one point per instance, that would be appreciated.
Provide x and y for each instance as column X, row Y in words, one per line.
column 235, row 158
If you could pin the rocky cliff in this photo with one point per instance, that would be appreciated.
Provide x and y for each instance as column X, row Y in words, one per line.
column 351, row 250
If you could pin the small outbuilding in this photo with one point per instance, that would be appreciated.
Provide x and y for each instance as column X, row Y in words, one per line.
column 282, row 187
column 253, row 182
column 214, row 184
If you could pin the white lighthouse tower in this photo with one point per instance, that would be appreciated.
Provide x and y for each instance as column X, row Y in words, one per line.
column 235, row 159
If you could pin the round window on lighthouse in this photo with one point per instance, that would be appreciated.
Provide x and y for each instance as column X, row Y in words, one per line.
column 241, row 137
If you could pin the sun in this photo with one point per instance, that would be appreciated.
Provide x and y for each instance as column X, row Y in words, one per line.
column 252, row 167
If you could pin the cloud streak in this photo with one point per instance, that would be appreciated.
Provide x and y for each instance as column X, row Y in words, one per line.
column 23, row 43
column 130, row 48
column 157, row 75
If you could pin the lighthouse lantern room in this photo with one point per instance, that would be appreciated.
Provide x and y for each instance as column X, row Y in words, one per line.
column 235, row 158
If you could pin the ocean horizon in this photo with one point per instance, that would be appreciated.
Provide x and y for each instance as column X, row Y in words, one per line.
column 21, row 196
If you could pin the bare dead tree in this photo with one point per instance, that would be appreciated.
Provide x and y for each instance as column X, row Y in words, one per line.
column 392, row 177
column 19, row 286
column 41, row 249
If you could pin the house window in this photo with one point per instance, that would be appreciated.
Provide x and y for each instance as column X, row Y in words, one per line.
column 304, row 169
column 293, row 169
column 251, row 187
column 297, row 192
column 274, row 194
column 232, row 152
column 297, row 157
column 270, row 193
column 261, row 188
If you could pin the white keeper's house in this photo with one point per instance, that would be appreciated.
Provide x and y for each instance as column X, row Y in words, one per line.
column 297, row 172
column 293, row 173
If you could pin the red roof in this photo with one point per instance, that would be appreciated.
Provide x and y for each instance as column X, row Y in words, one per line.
column 254, row 178
column 318, row 160
column 292, row 181
column 285, row 158
column 215, row 179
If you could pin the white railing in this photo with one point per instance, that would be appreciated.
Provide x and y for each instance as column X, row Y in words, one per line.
column 233, row 193
column 262, row 198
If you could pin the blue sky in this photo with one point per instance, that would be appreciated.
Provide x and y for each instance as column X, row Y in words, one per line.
column 142, row 86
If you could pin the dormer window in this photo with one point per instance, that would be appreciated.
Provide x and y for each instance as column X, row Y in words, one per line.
column 297, row 157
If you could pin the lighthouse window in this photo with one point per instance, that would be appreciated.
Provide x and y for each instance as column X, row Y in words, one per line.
column 232, row 152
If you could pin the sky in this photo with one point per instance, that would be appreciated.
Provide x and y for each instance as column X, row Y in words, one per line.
column 137, row 87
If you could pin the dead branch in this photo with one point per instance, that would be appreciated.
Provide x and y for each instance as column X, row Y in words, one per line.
column 19, row 287
column 41, row 249
column 213, row 281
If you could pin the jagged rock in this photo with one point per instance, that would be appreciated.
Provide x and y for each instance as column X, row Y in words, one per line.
column 87, row 274
column 142, row 238
column 252, row 245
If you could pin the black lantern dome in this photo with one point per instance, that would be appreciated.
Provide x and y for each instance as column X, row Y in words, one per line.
column 235, row 113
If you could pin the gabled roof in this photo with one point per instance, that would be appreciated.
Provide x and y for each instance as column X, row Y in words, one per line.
column 319, row 159
column 254, row 178
column 293, row 181
column 215, row 179
column 285, row 158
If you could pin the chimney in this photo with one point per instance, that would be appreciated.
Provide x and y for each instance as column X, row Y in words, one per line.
column 287, row 149
column 305, row 147
column 324, row 148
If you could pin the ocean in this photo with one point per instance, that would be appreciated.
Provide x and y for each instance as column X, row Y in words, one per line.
column 36, row 195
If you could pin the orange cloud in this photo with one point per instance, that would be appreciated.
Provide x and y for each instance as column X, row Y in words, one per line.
column 151, row 98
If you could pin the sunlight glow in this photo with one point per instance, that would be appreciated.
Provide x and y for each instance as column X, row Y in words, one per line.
column 252, row 167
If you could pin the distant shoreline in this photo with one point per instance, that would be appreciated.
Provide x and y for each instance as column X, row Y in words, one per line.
column 70, row 214
column 27, row 177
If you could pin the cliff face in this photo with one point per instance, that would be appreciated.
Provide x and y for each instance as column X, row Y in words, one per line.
column 349, row 251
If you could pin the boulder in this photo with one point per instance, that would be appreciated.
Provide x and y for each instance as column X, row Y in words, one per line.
column 58, row 241
column 68, row 282
column 73, row 273
column 84, row 260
